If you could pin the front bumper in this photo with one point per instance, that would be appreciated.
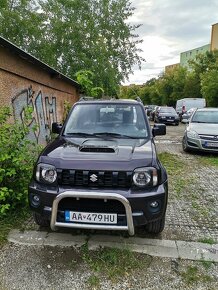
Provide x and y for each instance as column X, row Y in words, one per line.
column 132, row 207
column 168, row 120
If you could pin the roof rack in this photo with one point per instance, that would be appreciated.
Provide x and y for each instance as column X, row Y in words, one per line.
column 139, row 99
column 84, row 98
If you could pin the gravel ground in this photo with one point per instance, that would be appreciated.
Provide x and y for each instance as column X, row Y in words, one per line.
column 191, row 215
column 29, row 268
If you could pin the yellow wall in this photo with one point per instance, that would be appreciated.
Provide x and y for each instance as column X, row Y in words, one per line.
column 214, row 37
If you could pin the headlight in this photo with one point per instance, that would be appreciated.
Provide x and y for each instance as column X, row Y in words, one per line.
column 46, row 173
column 193, row 134
column 145, row 176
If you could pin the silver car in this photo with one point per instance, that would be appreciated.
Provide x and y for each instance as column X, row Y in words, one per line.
column 202, row 131
column 186, row 116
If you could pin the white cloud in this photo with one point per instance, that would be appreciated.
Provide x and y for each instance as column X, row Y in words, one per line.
column 169, row 28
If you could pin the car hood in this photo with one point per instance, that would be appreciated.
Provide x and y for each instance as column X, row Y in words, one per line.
column 204, row 128
column 99, row 154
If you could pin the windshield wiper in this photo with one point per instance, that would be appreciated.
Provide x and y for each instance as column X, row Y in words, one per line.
column 83, row 134
column 199, row 122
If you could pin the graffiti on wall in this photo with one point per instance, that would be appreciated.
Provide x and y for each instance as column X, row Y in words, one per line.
column 44, row 113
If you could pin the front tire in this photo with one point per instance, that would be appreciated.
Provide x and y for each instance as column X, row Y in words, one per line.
column 184, row 145
column 156, row 227
column 40, row 220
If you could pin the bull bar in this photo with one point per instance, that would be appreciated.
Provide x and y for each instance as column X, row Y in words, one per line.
column 94, row 195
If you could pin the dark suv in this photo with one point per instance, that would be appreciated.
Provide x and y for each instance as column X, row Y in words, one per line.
column 102, row 171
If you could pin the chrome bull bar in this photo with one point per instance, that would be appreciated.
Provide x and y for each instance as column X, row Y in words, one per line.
column 94, row 195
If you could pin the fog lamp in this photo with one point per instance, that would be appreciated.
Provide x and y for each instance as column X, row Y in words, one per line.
column 154, row 204
column 35, row 200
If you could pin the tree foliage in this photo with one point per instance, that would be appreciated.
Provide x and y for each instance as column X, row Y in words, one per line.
column 17, row 156
column 74, row 35
column 200, row 81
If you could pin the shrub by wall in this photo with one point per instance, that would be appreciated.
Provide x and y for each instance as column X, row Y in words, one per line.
column 17, row 157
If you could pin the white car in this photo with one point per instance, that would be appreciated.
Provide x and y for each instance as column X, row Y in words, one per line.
column 202, row 131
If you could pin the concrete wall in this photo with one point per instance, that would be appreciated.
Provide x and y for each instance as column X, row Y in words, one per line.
column 214, row 37
column 191, row 54
column 171, row 67
column 23, row 84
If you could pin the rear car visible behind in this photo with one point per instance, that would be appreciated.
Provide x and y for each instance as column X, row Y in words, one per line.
column 166, row 115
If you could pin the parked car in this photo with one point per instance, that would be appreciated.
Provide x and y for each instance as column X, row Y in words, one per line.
column 149, row 109
column 202, row 131
column 166, row 115
column 186, row 116
column 102, row 171
column 183, row 105
column 153, row 113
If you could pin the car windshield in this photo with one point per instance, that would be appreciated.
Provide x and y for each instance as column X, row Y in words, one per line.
column 190, row 111
column 205, row 117
column 167, row 110
column 102, row 120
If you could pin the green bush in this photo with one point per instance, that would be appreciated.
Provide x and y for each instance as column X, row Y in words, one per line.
column 17, row 157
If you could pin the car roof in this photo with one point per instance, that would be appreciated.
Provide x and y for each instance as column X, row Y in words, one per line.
column 165, row 107
column 111, row 101
column 207, row 109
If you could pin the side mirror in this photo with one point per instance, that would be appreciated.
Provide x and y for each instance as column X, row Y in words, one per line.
column 159, row 129
column 56, row 128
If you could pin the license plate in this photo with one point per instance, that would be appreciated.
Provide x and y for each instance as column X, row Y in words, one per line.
column 211, row 144
column 170, row 120
column 90, row 217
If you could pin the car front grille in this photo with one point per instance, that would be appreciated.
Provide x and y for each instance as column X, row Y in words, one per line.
column 91, row 205
column 209, row 137
column 94, row 178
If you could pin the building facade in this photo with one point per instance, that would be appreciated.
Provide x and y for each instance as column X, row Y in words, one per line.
column 191, row 54
column 214, row 37
column 27, row 82
column 171, row 67
column 188, row 55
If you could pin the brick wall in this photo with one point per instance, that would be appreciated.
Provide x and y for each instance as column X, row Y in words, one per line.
column 23, row 83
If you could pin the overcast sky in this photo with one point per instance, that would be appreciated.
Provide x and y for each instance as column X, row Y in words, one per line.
column 169, row 28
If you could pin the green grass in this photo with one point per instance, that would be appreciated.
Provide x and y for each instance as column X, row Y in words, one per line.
column 93, row 281
column 207, row 264
column 113, row 262
column 172, row 163
column 13, row 219
column 209, row 160
column 179, row 182
column 193, row 275
column 210, row 241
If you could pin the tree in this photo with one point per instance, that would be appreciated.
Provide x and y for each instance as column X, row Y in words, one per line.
column 209, row 87
column 74, row 35
column 21, row 24
column 170, row 86
column 192, row 88
column 85, row 79
column 205, row 75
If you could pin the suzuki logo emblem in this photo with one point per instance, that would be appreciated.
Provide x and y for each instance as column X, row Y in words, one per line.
column 93, row 178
